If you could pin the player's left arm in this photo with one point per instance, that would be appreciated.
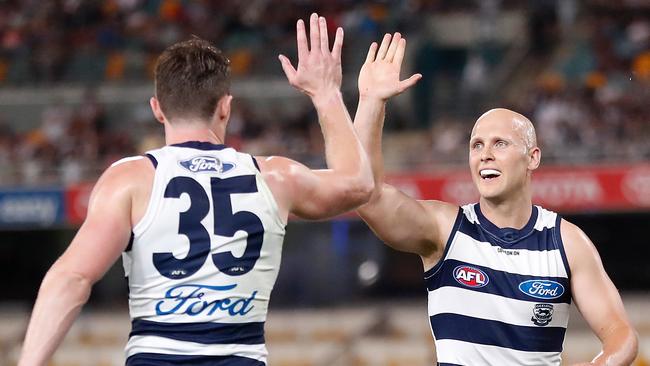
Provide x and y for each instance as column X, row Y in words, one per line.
column 67, row 285
column 598, row 300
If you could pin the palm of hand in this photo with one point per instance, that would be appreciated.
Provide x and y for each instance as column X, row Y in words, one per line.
column 379, row 75
column 319, row 69
column 379, row 79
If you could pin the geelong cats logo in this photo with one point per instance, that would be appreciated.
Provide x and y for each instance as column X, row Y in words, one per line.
column 542, row 314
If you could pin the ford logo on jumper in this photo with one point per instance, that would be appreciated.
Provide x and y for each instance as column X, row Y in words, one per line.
column 202, row 164
column 196, row 299
column 542, row 289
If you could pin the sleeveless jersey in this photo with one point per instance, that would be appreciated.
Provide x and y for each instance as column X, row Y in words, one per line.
column 500, row 296
column 203, row 260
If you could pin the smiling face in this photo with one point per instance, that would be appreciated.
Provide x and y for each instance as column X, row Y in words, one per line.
column 502, row 154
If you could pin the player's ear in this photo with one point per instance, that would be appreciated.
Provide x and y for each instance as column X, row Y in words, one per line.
column 534, row 158
column 157, row 112
column 223, row 107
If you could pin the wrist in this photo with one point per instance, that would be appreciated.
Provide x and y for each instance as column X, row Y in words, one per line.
column 371, row 99
column 324, row 98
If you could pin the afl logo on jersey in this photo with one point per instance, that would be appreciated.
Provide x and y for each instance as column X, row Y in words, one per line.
column 470, row 276
column 206, row 164
column 542, row 289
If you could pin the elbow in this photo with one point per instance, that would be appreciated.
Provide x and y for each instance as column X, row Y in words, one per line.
column 366, row 189
column 633, row 345
column 621, row 347
column 361, row 191
column 65, row 281
column 348, row 195
column 363, row 183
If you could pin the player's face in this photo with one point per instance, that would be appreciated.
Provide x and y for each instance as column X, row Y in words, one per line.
column 498, row 158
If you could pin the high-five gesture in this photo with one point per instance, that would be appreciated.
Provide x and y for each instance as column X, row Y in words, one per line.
column 379, row 80
column 379, row 75
column 347, row 182
column 319, row 69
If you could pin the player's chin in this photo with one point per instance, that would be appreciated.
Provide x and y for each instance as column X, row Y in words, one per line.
column 490, row 191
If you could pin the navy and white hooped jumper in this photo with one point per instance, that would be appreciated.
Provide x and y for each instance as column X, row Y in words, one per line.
column 203, row 260
column 500, row 296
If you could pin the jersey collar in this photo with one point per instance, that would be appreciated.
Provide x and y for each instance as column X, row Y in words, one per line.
column 507, row 234
column 200, row 145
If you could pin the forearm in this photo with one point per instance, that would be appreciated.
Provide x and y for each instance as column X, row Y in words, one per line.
column 620, row 347
column 369, row 124
column 60, row 298
column 343, row 150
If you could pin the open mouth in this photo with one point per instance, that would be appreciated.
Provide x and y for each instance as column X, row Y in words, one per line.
column 489, row 174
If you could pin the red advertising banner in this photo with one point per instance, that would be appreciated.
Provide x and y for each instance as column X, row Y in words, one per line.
column 565, row 189
column 568, row 189
column 76, row 202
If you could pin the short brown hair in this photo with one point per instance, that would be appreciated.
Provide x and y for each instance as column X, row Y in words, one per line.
column 191, row 76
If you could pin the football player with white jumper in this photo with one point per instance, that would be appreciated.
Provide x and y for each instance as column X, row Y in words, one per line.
column 501, row 273
column 200, row 225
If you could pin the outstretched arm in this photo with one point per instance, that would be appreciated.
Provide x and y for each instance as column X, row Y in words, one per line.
column 347, row 183
column 598, row 300
column 400, row 221
column 66, row 286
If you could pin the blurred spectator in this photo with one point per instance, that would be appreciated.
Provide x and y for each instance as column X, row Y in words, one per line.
column 589, row 105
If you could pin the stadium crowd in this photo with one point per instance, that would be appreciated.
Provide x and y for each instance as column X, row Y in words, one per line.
column 589, row 101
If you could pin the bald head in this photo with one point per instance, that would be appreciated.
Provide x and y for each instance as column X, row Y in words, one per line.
column 520, row 124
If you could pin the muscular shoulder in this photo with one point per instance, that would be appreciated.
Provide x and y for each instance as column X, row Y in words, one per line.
column 577, row 245
column 440, row 209
column 128, row 173
column 278, row 172
column 127, row 181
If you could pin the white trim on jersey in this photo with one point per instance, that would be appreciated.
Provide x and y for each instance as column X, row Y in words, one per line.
column 464, row 353
column 153, row 344
column 470, row 213
column 528, row 262
column 510, row 311
column 545, row 219
column 152, row 207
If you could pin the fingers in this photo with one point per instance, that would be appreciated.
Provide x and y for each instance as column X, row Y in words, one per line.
column 301, row 39
column 287, row 68
column 324, row 39
column 338, row 44
column 393, row 46
column 383, row 49
column 399, row 54
column 405, row 84
column 372, row 51
column 314, row 33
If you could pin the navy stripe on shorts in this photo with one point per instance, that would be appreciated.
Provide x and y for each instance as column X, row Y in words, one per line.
column 157, row 359
column 205, row 333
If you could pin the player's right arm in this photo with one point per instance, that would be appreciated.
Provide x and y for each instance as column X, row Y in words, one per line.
column 98, row 243
column 347, row 183
column 402, row 222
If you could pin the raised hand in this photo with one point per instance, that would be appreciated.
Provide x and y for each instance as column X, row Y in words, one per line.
column 379, row 75
column 319, row 69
